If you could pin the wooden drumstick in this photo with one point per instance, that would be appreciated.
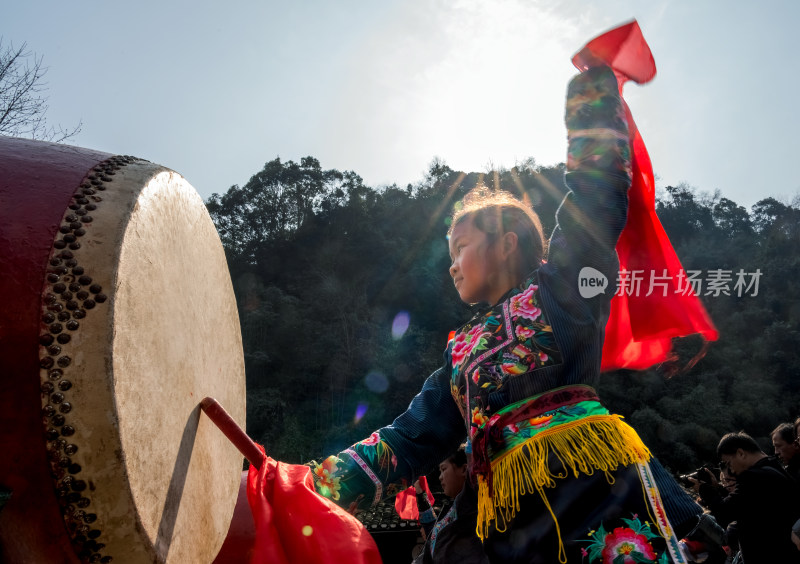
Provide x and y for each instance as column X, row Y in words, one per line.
column 231, row 429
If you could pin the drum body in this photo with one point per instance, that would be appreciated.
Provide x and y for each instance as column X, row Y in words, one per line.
column 118, row 319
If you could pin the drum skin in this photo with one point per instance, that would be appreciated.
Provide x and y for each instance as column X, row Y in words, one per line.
column 118, row 318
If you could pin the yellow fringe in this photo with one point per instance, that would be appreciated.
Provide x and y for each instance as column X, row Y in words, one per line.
column 598, row 442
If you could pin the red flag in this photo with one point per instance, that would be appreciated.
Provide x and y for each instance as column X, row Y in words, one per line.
column 405, row 503
column 640, row 327
column 295, row 524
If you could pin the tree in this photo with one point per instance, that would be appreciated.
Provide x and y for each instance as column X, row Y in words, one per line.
column 271, row 207
column 23, row 104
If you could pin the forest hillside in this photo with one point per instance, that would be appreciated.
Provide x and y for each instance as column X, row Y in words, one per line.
column 345, row 305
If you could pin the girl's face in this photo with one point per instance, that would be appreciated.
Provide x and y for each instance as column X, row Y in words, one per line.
column 477, row 265
column 452, row 478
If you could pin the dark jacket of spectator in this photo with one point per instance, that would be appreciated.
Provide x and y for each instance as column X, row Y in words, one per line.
column 765, row 505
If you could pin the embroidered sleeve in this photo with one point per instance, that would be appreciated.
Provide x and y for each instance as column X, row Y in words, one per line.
column 592, row 216
column 393, row 457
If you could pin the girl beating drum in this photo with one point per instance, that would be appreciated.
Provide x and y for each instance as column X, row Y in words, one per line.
column 553, row 475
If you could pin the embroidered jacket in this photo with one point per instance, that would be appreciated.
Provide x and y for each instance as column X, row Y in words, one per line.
column 545, row 334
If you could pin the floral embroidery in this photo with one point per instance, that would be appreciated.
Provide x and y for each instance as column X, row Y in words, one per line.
column 465, row 343
column 373, row 439
column 509, row 340
column 377, row 453
column 523, row 333
column 625, row 542
column 624, row 545
column 478, row 418
column 524, row 304
column 476, row 375
column 328, row 484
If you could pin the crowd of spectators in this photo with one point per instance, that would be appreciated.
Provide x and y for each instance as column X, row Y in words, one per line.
column 754, row 496
column 751, row 501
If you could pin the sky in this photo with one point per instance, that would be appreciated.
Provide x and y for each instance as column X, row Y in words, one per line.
column 214, row 90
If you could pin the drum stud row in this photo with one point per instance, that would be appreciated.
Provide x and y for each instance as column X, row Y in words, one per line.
column 72, row 292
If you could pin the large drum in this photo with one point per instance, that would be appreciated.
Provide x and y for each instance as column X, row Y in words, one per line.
column 118, row 318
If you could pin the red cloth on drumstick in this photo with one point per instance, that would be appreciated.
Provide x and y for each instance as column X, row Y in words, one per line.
column 406, row 501
column 640, row 327
column 295, row 524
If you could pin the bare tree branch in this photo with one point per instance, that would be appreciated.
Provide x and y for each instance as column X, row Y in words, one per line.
column 23, row 103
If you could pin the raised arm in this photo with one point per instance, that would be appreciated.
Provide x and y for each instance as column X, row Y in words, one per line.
column 579, row 277
column 592, row 216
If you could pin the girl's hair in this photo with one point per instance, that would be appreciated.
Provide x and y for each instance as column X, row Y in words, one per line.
column 498, row 212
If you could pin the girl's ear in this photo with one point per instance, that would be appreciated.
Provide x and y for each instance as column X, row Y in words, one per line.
column 510, row 243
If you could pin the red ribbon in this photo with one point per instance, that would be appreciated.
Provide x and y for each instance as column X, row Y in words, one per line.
column 640, row 327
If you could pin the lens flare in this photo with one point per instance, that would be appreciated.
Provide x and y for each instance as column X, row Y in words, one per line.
column 400, row 325
column 308, row 531
column 376, row 382
column 361, row 410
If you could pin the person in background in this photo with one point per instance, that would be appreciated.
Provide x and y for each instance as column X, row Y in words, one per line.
column 787, row 448
column 452, row 475
column 445, row 539
column 764, row 502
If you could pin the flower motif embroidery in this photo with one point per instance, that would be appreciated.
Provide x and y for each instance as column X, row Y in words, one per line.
column 524, row 305
column 628, row 544
column 373, row 439
column 524, row 333
column 624, row 545
column 465, row 343
column 476, row 375
column 478, row 418
column 328, row 484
